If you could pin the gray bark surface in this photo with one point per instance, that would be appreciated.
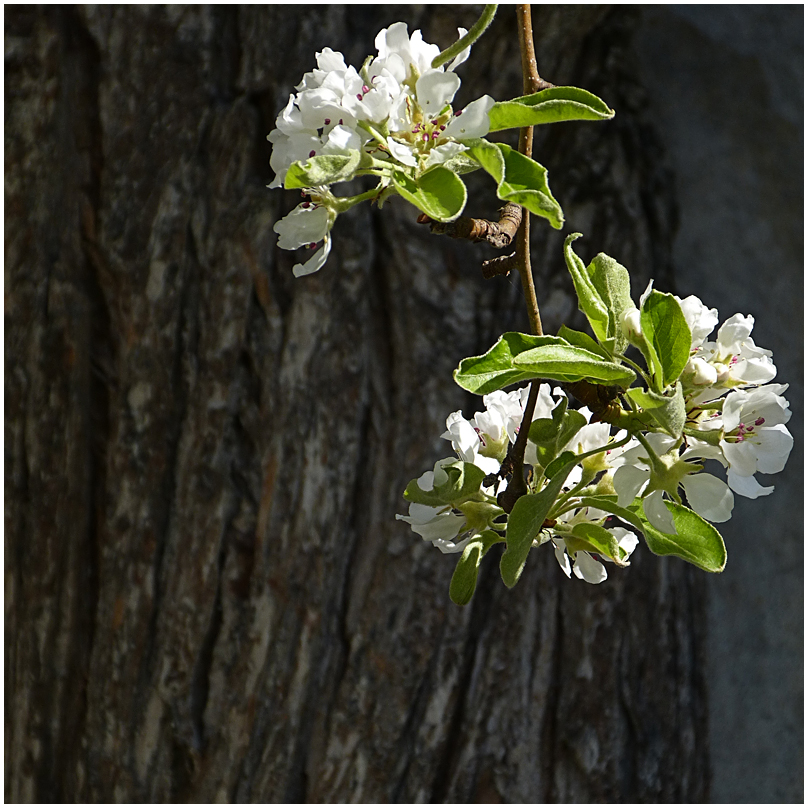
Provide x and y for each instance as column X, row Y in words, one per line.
column 207, row 594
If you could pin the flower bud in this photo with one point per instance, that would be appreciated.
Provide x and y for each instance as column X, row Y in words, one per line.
column 630, row 323
column 605, row 486
column 703, row 373
column 722, row 372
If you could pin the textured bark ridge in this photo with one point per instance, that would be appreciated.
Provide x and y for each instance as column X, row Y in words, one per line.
column 207, row 594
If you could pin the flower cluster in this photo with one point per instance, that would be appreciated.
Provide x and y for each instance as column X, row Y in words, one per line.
column 395, row 111
column 483, row 441
column 630, row 462
column 732, row 414
column 741, row 417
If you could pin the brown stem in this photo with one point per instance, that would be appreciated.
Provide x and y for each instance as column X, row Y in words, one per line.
column 517, row 486
column 499, row 234
column 531, row 83
column 501, row 265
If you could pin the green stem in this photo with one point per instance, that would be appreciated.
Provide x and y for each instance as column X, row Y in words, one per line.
column 639, row 370
column 377, row 136
column 347, row 202
column 469, row 39
column 574, row 491
column 711, row 436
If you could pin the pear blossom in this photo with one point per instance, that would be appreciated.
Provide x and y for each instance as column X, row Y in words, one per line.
column 630, row 323
column 700, row 319
column 440, row 525
column 306, row 225
column 397, row 108
column 585, row 566
column 466, row 442
column 733, row 360
column 708, row 496
column 755, row 437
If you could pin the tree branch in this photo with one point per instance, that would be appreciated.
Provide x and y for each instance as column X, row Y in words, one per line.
column 499, row 234
column 530, row 82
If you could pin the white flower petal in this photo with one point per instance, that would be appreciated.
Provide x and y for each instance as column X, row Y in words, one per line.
column 733, row 332
column 435, row 89
column 449, row 546
column 330, row 60
column 701, row 320
column 705, row 451
column 426, row 481
column 648, row 289
column 402, row 152
column 472, row 121
column 315, row 262
column 394, row 39
column 709, row 497
column 742, row 457
column 747, row 486
column 301, row 226
column 440, row 154
column 626, row 540
column 341, row 140
column 657, row 513
column 773, row 448
column 445, row 526
column 589, row 570
column 628, row 481
column 463, row 436
column 463, row 55
column 562, row 557
column 421, row 514
column 703, row 372
column 421, row 53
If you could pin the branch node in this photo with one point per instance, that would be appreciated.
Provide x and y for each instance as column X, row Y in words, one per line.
column 501, row 265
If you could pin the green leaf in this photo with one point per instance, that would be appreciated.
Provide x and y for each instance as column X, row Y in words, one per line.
column 568, row 363
column 439, row 193
column 581, row 340
column 494, row 369
column 589, row 299
column 558, row 464
column 551, row 434
column 548, row 106
column 517, row 357
column 613, row 284
column 323, row 170
column 604, row 293
column 667, row 410
column 519, row 179
column 696, row 540
column 671, row 416
column 459, row 164
column 664, row 326
column 463, row 482
column 596, row 539
column 527, row 518
column 464, row 579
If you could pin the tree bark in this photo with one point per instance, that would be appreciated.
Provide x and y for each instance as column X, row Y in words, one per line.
column 207, row 594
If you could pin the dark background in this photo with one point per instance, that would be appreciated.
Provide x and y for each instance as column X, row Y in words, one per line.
column 207, row 595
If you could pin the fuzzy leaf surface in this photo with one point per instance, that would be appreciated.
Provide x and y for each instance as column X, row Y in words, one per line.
column 439, row 193
column 553, row 105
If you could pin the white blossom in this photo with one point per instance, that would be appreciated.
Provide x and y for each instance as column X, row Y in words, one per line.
column 755, row 438
column 733, row 358
column 306, row 225
column 708, row 496
column 700, row 319
column 585, row 566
